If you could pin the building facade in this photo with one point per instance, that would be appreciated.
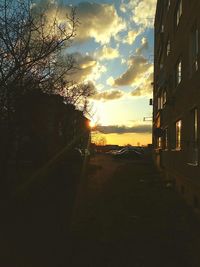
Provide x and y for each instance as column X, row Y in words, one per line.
column 45, row 126
column 176, row 103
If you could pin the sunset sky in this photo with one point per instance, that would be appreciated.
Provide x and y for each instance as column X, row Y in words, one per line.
column 114, row 50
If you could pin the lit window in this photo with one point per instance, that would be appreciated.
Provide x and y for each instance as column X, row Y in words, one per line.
column 178, row 134
column 179, row 12
column 159, row 142
column 178, row 72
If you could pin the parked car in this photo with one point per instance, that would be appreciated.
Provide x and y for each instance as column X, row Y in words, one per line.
column 111, row 152
column 115, row 152
column 128, row 154
column 121, row 151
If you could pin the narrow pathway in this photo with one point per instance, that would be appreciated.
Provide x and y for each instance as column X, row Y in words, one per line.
column 126, row 217
column 92, row 188
column 123, row 216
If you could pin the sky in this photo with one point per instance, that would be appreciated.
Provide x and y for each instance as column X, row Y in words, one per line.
column 114, row 50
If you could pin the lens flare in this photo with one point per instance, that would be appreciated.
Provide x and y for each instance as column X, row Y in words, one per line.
column 92, row 124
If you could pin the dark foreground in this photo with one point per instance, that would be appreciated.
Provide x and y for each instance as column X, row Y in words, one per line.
column 121, row 214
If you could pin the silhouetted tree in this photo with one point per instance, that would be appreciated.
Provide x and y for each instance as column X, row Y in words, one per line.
column 98, row 139
column 33, row 57
column 30, row 46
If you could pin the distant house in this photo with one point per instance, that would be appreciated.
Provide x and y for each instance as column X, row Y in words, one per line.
column 176, row 103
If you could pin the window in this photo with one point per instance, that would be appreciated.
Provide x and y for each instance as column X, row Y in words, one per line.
column 168, row 48
column 161, row 60
column 178, row 72
column 195, row 125
column 161, row 100
column 166, row 138
column 164, row 98
column 159, row 144
column 178, row 134
column 193, row 144
column 159, row 103
column 179, row 12
column 168, row 4
column 194, row 49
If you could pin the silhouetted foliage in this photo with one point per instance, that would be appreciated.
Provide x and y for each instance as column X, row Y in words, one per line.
column 33, row 59
column 30, row 46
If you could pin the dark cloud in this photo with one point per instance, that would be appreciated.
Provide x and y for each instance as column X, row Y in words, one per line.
column 124, row 129
column 98, row 21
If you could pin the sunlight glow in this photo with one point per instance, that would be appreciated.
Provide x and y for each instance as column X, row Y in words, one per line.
column 92, row 124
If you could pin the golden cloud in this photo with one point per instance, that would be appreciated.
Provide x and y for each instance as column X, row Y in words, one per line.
column 145, row 89
column 107, row 52
column 110, row 81
column 144, row 46
column 98, row 21
column 131, row 36
column 144, row 12
column 138, row 69
column 108, row 95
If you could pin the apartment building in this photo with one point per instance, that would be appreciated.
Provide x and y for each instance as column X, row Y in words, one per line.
column 176, row 103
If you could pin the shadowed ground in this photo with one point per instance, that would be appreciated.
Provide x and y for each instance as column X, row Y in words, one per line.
column 127, row 217
column 121, row 215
